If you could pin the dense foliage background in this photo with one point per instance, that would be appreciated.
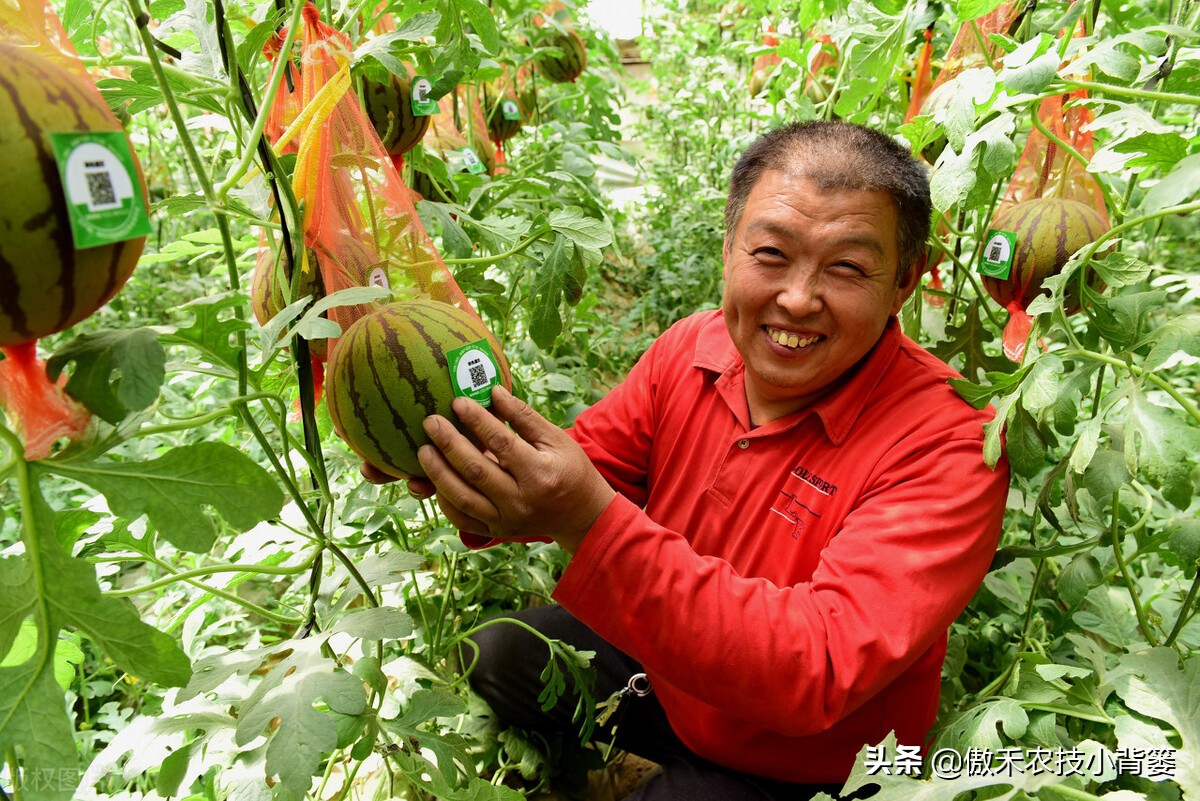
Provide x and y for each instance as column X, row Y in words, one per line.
column 199, row 601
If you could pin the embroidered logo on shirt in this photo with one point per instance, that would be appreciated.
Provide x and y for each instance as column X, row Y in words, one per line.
column 803, row 495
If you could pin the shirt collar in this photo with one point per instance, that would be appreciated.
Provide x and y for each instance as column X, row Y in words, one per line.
column 838, row 411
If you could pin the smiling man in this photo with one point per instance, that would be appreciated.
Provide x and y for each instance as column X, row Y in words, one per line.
column 779, row 512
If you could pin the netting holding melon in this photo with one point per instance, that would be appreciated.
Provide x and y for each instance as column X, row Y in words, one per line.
column 358, row 215
column 1047, row 170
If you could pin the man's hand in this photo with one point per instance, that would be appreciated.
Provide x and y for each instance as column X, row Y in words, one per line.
column 533, row 480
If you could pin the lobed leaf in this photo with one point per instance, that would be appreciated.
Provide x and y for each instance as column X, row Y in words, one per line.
column 174, row 490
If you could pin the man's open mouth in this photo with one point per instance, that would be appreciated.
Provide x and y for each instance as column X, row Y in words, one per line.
column 791, row 340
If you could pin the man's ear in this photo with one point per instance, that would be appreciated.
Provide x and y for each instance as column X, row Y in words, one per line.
column 911, row 281
column 725, row 251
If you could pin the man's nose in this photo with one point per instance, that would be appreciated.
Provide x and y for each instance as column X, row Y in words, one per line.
column 802, row 293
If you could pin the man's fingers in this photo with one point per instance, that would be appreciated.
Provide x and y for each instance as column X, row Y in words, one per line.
column 505, row 446
column 530, row 425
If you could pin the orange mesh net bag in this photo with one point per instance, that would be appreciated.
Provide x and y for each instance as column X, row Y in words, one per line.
column 972, row 48
column 1046, row 170
column 358, row 217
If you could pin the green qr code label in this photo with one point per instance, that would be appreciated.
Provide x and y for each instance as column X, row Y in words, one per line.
column 996, row 261
column 100, row 180
column 473, row 371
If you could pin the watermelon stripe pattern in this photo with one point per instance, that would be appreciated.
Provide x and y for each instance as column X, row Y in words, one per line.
column 389, row 107
column 389, row 371
column 570, row 65
column 47, row 285
column 1049, row 231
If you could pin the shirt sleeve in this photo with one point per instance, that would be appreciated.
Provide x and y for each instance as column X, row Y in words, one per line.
column 797, row 659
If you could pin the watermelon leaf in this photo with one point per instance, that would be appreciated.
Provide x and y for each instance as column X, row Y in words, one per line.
column 482, row 23
column 305, row 735
column 116, row 372
column 583, row 231
column 1161, row 447
column 33, row 719
column 174, row 489
column 969, row 339
column 1158, row 688
column 376, row 624
column 210, row 334
column 545, row 322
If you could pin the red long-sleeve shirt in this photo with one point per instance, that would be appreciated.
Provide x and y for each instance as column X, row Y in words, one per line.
column 788, row 587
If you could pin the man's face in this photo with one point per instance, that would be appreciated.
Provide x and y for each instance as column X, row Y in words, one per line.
column 810, row 281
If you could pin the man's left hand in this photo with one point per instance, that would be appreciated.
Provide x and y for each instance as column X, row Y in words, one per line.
column 533, row 480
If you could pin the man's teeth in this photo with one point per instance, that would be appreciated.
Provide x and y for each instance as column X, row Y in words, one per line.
column 790, row 340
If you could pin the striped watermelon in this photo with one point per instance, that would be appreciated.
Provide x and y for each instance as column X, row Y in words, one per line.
column 570, row 65
column 1049, row 231
column 500, row 129
column 389, row 107
column 389, row 372
column 47, row 285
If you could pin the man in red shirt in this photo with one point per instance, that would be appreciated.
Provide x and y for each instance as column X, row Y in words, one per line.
column 779, row 512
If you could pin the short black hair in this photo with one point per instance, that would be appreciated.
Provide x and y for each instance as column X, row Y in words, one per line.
column 846, row 156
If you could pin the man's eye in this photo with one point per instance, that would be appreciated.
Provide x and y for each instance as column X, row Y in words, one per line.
column 768, row 252
column 848, row 267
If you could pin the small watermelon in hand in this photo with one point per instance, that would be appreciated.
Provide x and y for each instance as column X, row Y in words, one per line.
column 390, row 370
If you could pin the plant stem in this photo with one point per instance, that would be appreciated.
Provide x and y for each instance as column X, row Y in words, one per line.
column 1153, row 377
column 207, row 570
column 520, row 246
column 1135, row 94
column 14, row 772
column 1130, row 585
column 1184, row 612
column 260, row 122
column 1109, row 199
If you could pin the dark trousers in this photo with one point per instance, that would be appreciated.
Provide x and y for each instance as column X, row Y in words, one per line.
column 507, row 676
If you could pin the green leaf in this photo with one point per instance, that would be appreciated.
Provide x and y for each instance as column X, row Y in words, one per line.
column 384, row 47
column 1184, row 544
column 305, row 735
column 1158, row 688
column 116, row 372
column 545, row 322
column 454, row 765
column 1161, row 448
column 66, row 653
column 1178, row 335
column 455, row 242
column 1032, row 66
column 1078, row 578
column 585, row 232
column 987, row 154
column 974, row 9
column 17, row 598
column 1024, row 445
column 1105, row 474
column 174, row 490
column 483, row 23
column 33, row 720
column 1120, row 269
column 376, row 624
column 1106, row 613
column 968, row 340
column 211, row 334
column 1160, row 151
column 1179, row 186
